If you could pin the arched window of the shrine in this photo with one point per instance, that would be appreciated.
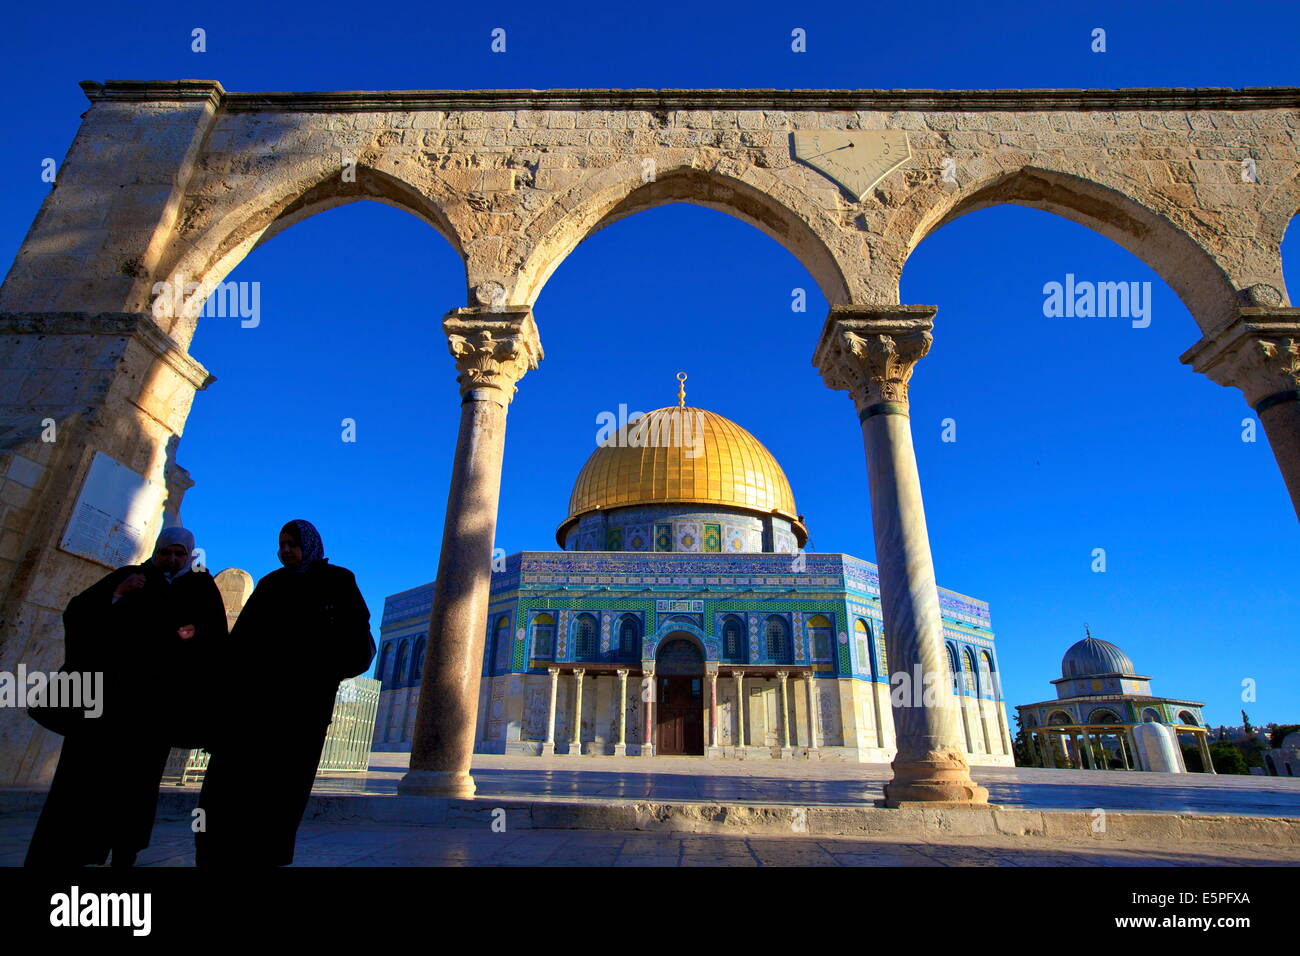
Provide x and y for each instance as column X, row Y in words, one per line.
column 629, row 638
column 503, row 645
column 1103, row 716
column 733, row 639
column 399, row 665
column 1149, row 715
column 584, row 633
column 819, row 633
column 952, row 668
column 1186, row 719
column 862, row 640
column 988, row 677
column 968, row 672
column 417, row 659
column 1059, row 719
column 778, row 645
column 385, row 658
column 543, row 637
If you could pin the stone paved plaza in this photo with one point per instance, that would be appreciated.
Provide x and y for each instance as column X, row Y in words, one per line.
column 334, row 844
column 602, row 781
column 817, row 783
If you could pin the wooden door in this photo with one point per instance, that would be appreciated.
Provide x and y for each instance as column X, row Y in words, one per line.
column 680, row 715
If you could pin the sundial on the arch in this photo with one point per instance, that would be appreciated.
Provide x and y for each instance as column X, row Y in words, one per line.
column 855, row 159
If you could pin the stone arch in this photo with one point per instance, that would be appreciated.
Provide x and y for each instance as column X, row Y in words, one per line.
column 1196, row 276
column 691, row 641
column 650, row 645
column 990, row 675
column 1280, row 217
column 1187, row 719
column 417, row 659
column 775, row 208
column 226, row 235
column 736, row 623
column 1059, row 718
column 621, row 622
column 399, row 664
column 584, row 637
column 1104, row 715
column 970, row 674
column 954, row 668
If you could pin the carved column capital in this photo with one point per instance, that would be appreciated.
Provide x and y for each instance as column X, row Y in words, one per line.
column 871, row 351
column 622, row 673
column 782, row 675
column 493, row 348
column 1257, row 352
column 578, row 672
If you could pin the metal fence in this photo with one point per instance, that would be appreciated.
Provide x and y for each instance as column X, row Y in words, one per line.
column 347, row 742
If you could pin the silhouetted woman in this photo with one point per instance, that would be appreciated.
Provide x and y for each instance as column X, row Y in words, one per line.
column 304, row 629
column 146, row 630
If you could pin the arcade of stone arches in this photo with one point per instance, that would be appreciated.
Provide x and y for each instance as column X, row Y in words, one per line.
column 515, row 180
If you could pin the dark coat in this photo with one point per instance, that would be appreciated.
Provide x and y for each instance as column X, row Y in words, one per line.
column 105, row 789
column 306, row 632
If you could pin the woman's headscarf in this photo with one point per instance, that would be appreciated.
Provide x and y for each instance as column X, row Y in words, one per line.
column 308, row 538
column 176, row 535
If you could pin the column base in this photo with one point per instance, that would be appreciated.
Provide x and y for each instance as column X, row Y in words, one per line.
column 787, row 753
column 575, row 749
column 647, row 750
column 548, row 749
column 437, row 783
column 713, row 753
column 939, row 779
column 620, row 750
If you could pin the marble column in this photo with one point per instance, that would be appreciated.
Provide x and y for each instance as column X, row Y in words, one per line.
column 493, row 350
column 1258, row 352
column 740, row 709
column 1206, row 759
column 648, row 702
column 814, row 742
column 575, row 746
column 1123, row 750
column 1088, row 756
column 871, row 352
column 548, row 748
column 713, row 710
column 620, row 748
column 786, row 753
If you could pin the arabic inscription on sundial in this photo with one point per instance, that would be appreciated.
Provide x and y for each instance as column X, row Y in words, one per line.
column 855, row 159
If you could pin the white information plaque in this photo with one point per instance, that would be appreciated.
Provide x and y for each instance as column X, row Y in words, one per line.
column 110, row 523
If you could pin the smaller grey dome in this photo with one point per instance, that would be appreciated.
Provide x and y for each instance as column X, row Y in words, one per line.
column 1093, row 658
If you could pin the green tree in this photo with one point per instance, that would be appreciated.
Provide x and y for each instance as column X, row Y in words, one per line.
column 1245, row 724
column 1020, row 748
column 1227, row 759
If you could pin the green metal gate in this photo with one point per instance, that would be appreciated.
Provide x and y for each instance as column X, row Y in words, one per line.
column 347, row 742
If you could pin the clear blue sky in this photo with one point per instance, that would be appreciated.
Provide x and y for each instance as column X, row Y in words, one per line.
column 1073, row 434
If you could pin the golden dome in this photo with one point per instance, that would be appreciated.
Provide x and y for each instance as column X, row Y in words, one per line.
column 725, row 467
